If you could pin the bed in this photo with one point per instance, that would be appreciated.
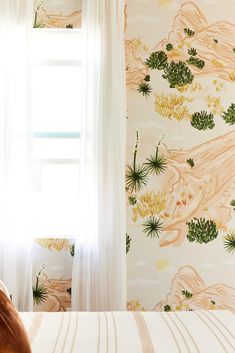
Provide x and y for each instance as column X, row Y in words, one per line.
column 127, row 332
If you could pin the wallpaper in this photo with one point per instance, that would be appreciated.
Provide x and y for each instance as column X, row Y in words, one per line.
column 57, row 13
column 180, row 179
column 52, row 274
column 180, row 174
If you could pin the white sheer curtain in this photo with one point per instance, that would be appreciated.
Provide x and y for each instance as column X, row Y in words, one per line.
column 15, row 246
column 99, row 276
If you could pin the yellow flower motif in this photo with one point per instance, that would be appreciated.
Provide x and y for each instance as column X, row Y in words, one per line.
column 232, row 75
column 162, row 264
column 138, row 45
column 150, row 204
column 217, row 63
column 171, row 106
column 220, row 225
column 54, row 244
column 182, row 307
column 164, row 2
column 214, row 104
column 174, row 53
column 194, row 87
column 134, row 305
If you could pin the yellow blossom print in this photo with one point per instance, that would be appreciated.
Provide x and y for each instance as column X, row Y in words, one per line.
column 149, row 204
column 134, row 305
column 162, row 264
column 214, row 104
column 54, row 244
column 164, row 2
column 138, row 45
column 171, row 106
column 217, row 63
column 232, row 75
column 194, row 87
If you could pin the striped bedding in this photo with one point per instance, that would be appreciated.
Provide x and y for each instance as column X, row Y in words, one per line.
column 126, row 332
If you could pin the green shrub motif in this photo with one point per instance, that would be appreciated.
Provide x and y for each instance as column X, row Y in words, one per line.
column 196, row 62
column 147, row 78
column 178, row 74
column 167, row 308
column 132, row 200
column 192, row 51
column 232, row 203
column 189, row 32
column 190, row 161
column 202, row 120
column 187, row 294
column 229, row 115
column 169, row 47
column 157, row 60
column 201, row 230
column 128, row 243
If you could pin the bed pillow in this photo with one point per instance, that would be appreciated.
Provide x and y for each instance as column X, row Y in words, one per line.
column 13, row 337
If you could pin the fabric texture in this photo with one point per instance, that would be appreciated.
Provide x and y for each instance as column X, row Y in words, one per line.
column 99, row 276
column 13, row 337
column 127, row 332
column 15, row 150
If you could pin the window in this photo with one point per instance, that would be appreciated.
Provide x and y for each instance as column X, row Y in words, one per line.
column 56, row 111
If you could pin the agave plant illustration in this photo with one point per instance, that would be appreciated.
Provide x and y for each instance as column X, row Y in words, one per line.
column 40, row 291
column 229, row 242
column 152, row 227
column 38, row 23
column 156, row 164
column 136, row 174
column 145, row 89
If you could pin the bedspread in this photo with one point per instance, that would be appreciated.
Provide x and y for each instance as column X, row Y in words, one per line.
column 127, row 332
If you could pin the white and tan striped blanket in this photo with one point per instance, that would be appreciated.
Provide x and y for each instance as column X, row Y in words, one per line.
column 126, row 332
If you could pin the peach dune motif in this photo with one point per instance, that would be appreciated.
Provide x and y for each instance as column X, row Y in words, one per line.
column 214, row 44
column 204, row 190
column 47, row 20
column 58, row 297
column 189, row 292
column 61, row 21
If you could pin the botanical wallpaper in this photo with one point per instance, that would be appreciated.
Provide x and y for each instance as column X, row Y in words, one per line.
column 180, row 179
column 180, row 174
column 52, row 274
column 57, row 13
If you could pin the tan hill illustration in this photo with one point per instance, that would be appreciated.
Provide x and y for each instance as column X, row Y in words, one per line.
column 58, row 298
column 214, row 43
column 136, row 70
column 218, row 296
column 61, row 21
column 48, row 20
column 202, row 191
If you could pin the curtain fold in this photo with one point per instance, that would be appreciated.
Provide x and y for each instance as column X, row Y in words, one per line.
column 15, row 149
column 99, row 271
